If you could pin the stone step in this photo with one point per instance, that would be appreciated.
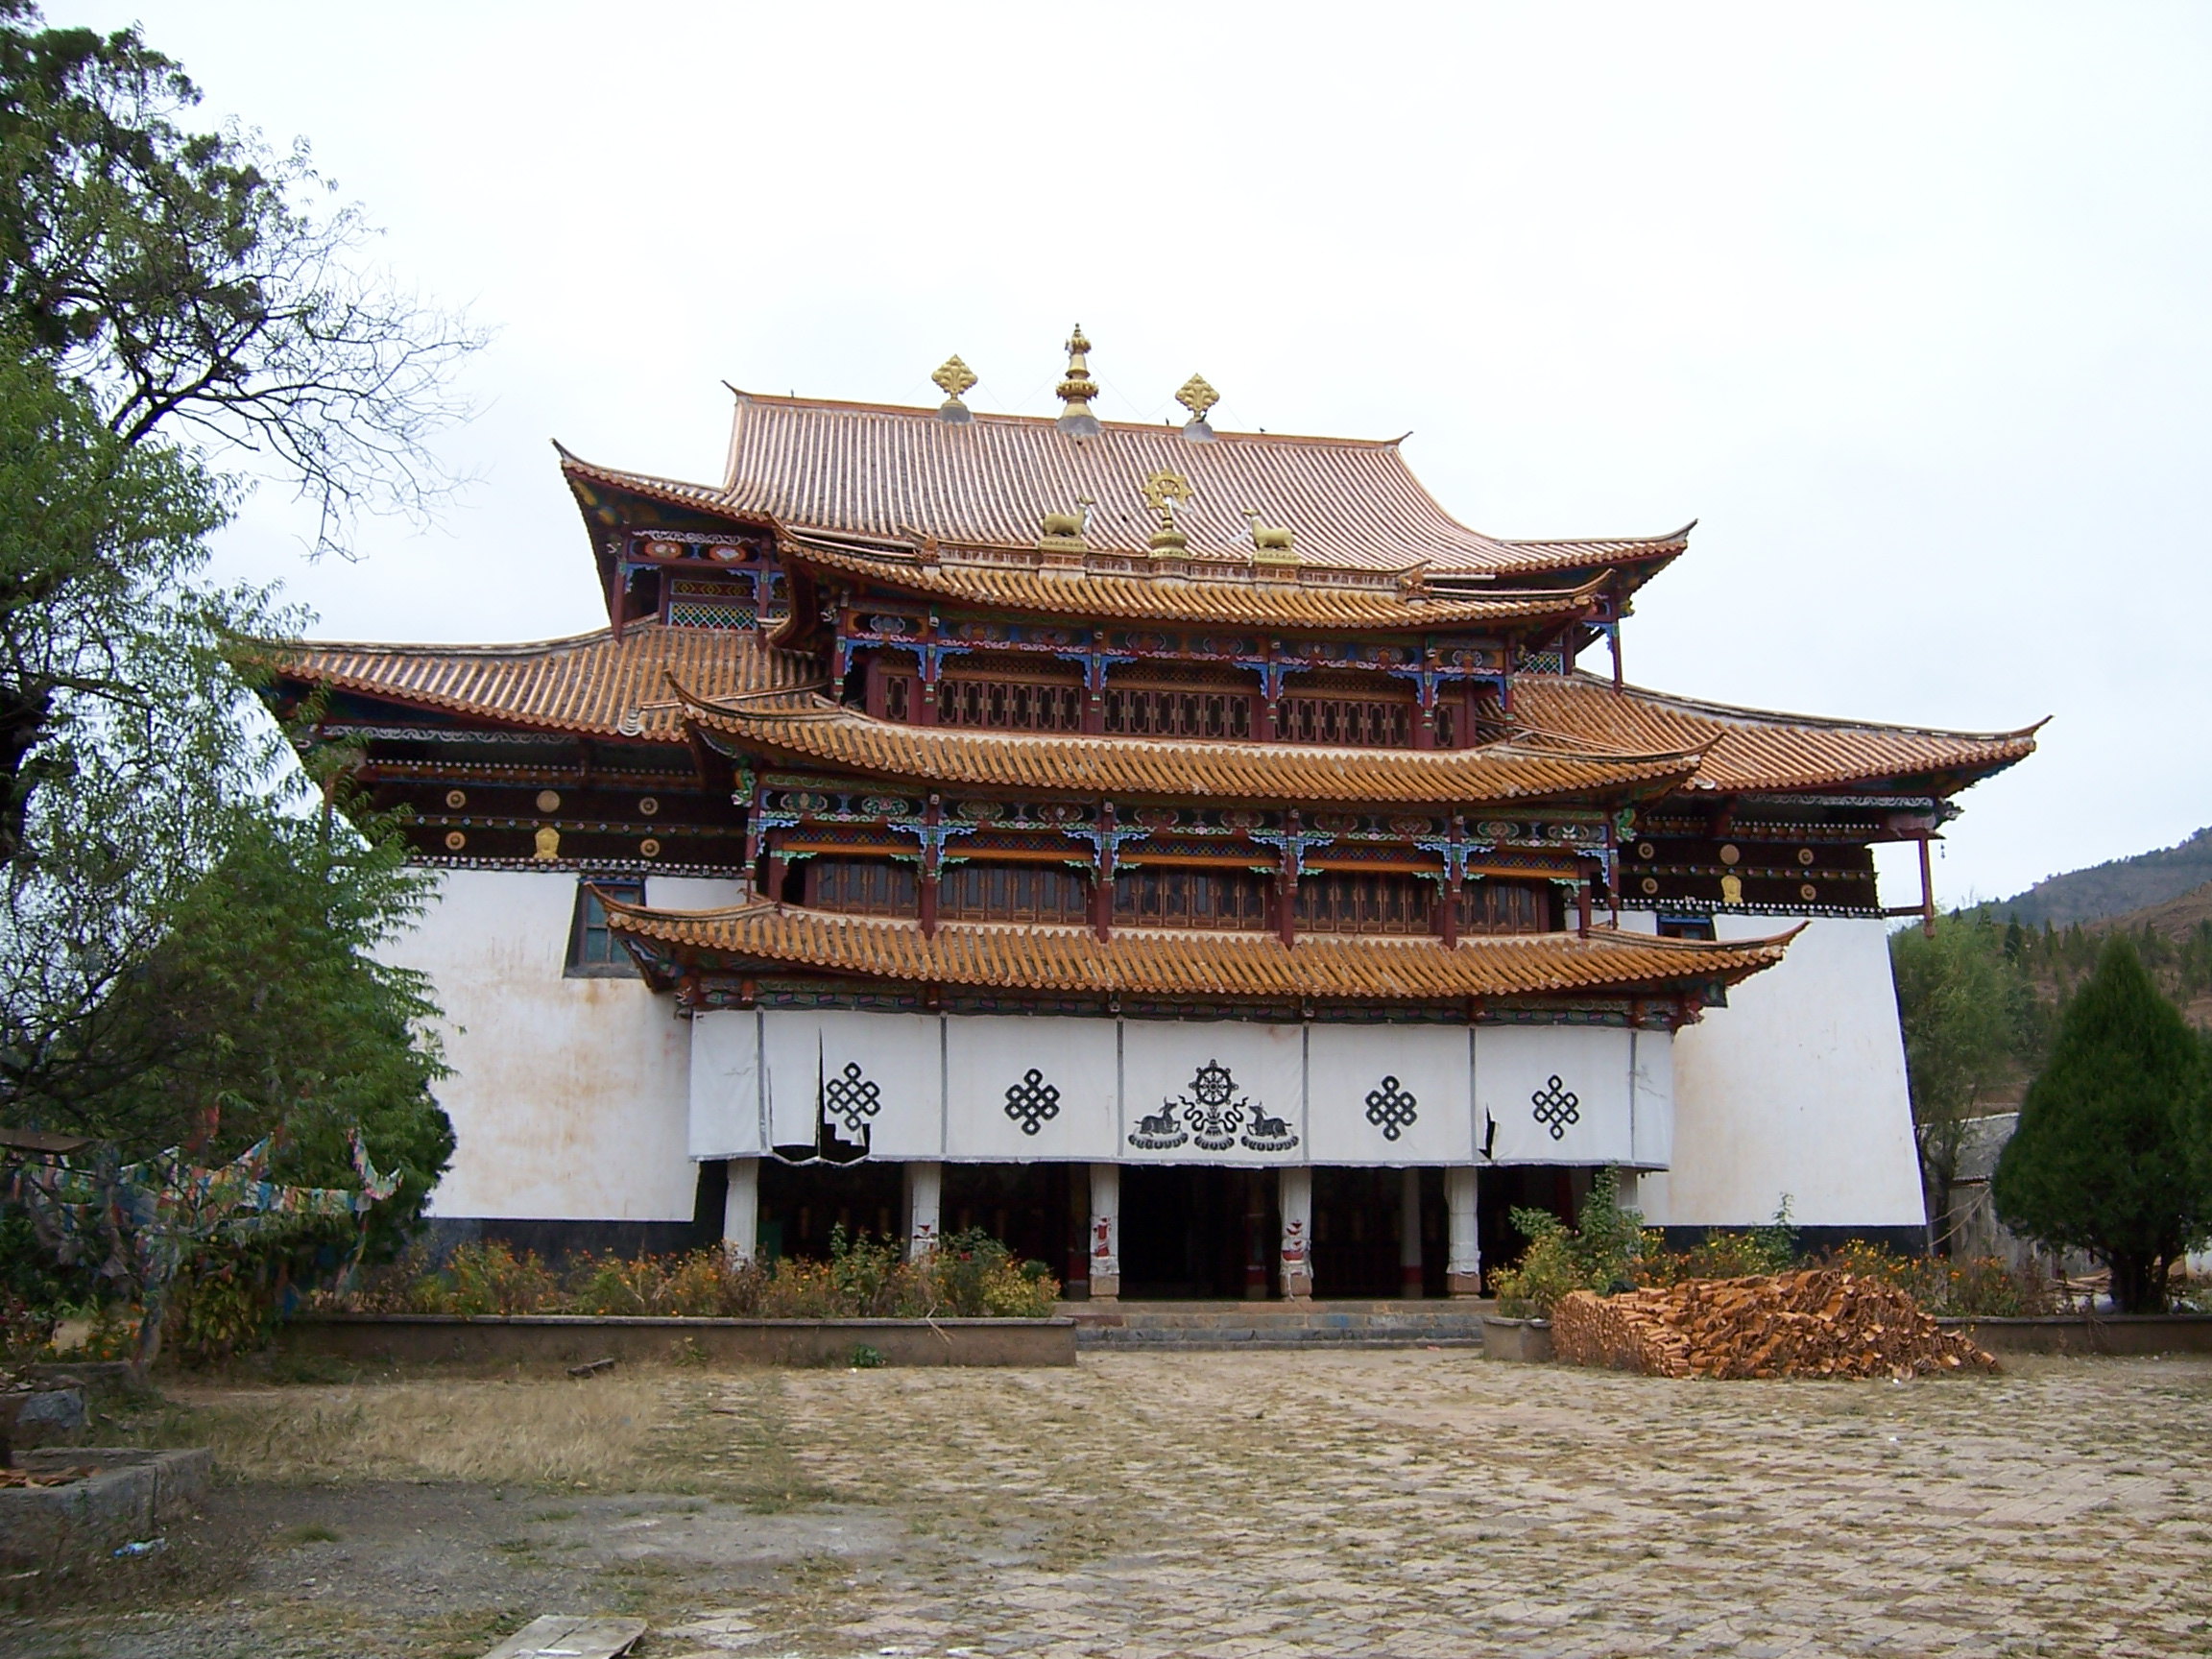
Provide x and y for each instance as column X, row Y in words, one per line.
column 1232, row 1336
column 1188, row 1325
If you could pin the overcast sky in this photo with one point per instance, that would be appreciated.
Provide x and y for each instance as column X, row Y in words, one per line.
column 1906, row 305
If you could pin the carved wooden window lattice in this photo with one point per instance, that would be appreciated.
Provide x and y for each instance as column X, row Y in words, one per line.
column 1362, row 901
column 1230, row 899
column 1505, row 907
column 1012, row 893
column 1163, row 712
column 1355, row 722
column 1005, row 705
column 863, row 887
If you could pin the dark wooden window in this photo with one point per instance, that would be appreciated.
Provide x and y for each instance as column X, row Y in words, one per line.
column 899, row 696
column 1012, row 893
column 1447, row 726
column 593, row 950
column 867, row 887
column 1360, row 901
column 1170, row 712
column 1010, row 705
column 1191, row 899
column 1506, row 908
column 1686, row 928
column 1359, row 722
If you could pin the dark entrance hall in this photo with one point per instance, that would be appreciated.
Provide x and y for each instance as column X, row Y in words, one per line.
column 1197, row 1232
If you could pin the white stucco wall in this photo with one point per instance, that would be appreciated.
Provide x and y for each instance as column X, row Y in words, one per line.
column 568, row 1096
column 1796, row 1087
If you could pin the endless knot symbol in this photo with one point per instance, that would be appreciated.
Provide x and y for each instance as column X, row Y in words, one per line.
column 1032, row 1101
column 1556, row 1107
column 852, row 1098
column 1392, row 1108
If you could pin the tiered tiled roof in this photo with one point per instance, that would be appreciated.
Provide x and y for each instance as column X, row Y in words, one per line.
column 1578, row 733
column 1752, row 749
column 1230, row 596
column 900, row 475
column 593, row 683
column 1161, row 963
column 812, row 728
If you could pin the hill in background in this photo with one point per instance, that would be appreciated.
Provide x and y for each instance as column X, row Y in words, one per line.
column 2122, row 888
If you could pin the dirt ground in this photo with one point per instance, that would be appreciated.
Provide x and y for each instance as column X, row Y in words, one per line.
column 1217, row 1503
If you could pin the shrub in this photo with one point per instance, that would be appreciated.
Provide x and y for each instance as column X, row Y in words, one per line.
column 491, row 1279
column 1599, row 1253
column 969, row 1275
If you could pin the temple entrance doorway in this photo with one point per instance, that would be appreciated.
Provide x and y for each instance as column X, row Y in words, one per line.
column 1191, row 1233
column 801, row 1203
column 1359, row 1234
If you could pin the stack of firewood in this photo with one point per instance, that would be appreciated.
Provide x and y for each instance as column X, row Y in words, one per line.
column 1818, row 1323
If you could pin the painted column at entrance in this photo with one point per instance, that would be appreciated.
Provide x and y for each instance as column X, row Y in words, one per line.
column 741, row 1210
column 1295, row 1201
column 1463, row 1269
column 1409, row 1233
column 924, row 1199
column 1105, row 1232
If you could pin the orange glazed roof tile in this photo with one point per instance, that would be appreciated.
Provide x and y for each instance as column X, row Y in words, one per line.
column 592, row 683
column 1151, row 962
column 812, row 728
column 1747, row 749
column 897, row 475
column 1236, row 601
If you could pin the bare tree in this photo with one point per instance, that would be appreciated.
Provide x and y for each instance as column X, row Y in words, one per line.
column 204, row 287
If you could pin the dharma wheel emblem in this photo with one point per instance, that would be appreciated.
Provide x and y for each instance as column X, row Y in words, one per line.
column 1556, row 1107
column 1392, row 1108
column 1214, row 1116
column 1032, row 1102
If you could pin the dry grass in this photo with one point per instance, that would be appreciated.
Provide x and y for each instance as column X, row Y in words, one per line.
column 598, row 1433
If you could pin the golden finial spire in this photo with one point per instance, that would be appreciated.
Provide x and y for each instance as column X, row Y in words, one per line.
column 1197, row 396
column 1077, row 390
column 954, row 377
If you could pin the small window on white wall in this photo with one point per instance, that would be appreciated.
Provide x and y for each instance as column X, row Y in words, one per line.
column 593, row 950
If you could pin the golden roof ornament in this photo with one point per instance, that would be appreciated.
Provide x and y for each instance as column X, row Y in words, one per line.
column 1077, row 389
column 1061, row 538
column 1197, row 396
column 1272, row 545
column 1163, row 492
column 954, row 377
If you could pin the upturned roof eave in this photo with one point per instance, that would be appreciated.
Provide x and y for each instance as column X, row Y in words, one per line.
column 1254, row 966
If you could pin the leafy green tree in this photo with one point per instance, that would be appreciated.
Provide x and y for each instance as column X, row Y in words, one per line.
column 2110, row 1157
column 1969, row 1017
column 186, row 950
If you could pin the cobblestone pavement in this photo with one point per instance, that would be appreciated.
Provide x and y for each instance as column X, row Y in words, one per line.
column 1434, row 1503
column 1402, row 1503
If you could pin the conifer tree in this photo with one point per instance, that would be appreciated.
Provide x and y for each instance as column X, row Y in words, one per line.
column 2109, row 1156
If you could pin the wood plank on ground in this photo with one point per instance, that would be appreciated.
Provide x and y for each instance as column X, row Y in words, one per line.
column 570, row 1636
